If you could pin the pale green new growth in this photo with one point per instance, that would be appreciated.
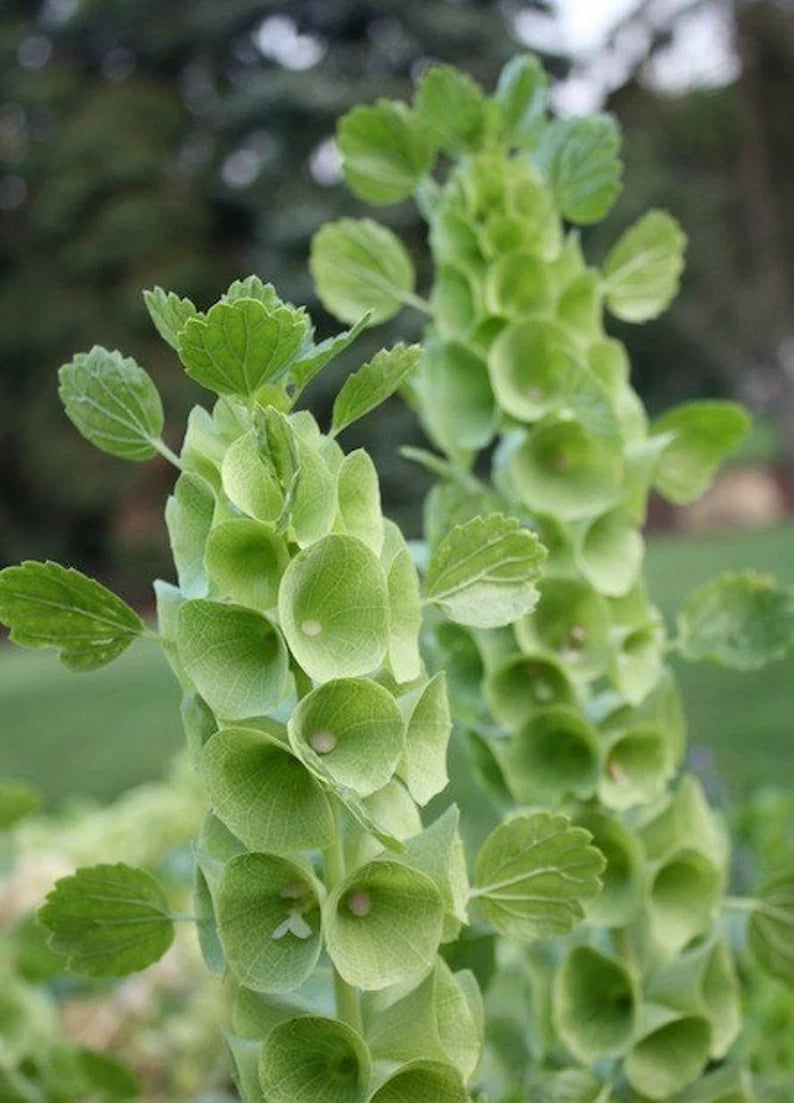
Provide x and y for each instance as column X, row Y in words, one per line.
column 770, row 928
column 169, row 313
column 108, row 920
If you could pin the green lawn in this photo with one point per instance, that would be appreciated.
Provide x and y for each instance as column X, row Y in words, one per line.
column 100, row 733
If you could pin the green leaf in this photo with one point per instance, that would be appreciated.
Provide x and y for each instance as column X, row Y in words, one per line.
column 483, row 572
column 333, row 608
column 263, row 793
column 422, row 1082
column 108, row 920
column 314, row 1060
column 705, row 433
column 741, row 620
column 269, row 922
column 188, row 516
column 522, row 94
column 385, row 151
column 383, row 924
column 46, row 605
column 312, row 362
column 355, row 727
column 360, row 267
column 169, row 313
column 594, row 1004
column 17, row 800
column 643, row 267
column 239, row 346
column 373, row 383
column 245, row 559
column 580, row 157
column 112, row 402
column 235, row 658
column 426, row 739
column 533, row 873
column 771, row 928
column 452, row 106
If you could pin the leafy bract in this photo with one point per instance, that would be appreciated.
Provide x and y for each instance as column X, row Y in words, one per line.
column 771, row 928
column 532, row 874
column 235, row 658
column 356, row 728
column 452, row 106
column 522, row 94
column 269, row 922
column 113, row 402
column 245, row 559
column 263, row 794
column 333, row 608
column 360, row 267
column 385, row 151
column 359, row 499
column 240, row 345
column 314, row 1060
column 252, row 287
column 580, row 157
column 108, row 920
column 741, row 620
column 17, row 800
column 169, row 313
column 46, row 605
column 373, row 383
column 383, row 924
column 643, row 267
column 405, row 618
column 483, row 572
column 705, row 433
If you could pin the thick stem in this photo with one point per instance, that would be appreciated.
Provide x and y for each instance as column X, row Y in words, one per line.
column 347, row 1007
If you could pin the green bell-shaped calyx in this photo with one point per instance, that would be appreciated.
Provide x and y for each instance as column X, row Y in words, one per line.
column 637, row 764
column 245, row 560
column 703, row 981
column 683, row 898
column 572, row 622
column 556, row 753
column 263, row 793
column 269, row 922
column 671, row 1052
column 566, row 472
column 235, row 658
column 525, row 684
column 422, row 1082
column 622, row 895
column 311, row 1059
column 355, row 727
column 595, row 1004
column 333, row 608
column 383, row 923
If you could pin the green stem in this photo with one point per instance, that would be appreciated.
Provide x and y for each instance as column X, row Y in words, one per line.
column 166, row 452
column 347, row 1007
column 740, row 903
column 417, row 302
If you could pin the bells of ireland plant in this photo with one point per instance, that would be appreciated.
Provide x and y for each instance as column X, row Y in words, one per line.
column 566, row 713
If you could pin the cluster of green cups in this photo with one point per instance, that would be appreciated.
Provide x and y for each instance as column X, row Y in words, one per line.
column 577, row 710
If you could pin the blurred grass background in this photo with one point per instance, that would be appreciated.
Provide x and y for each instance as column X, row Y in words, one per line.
column 98, row 734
